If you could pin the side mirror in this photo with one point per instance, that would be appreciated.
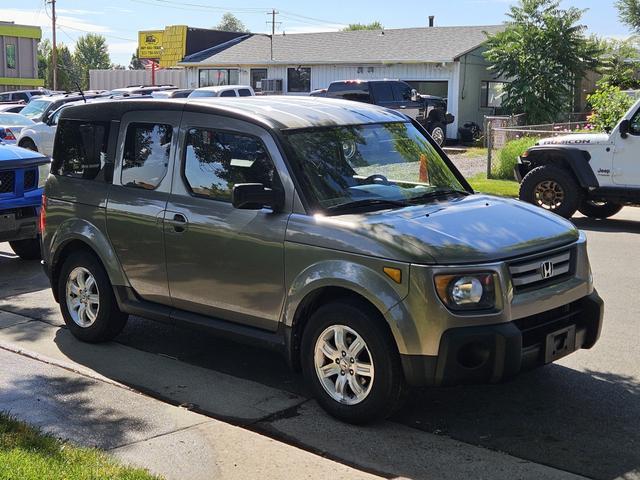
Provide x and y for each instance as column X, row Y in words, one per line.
column 254, row 196
column 414, row 95
column 624, row 128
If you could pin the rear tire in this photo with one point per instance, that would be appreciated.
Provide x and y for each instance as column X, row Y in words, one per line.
column 439, row 134
column 589, row 208
column 27, row 249
column 371, row 379
column 28, row 144
column 87, row 302
column 552, row 189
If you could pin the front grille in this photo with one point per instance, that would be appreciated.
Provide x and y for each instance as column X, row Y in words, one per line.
column 537, row 271
column 7, row 181
column 536, row 327
column 29, row 179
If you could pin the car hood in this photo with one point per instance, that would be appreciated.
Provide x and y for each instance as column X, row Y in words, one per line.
column 472, row 229
column 12, row 156
column 577, row 139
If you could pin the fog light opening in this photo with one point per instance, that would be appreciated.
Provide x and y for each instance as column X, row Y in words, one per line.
column 473, row 355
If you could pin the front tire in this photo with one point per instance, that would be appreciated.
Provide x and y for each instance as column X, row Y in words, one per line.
column 592, row 209
column 351, row 363
column 551, row 188
column 87, row 302
column 28, row 249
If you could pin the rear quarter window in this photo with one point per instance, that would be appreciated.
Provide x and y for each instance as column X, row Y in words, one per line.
column 80, row 149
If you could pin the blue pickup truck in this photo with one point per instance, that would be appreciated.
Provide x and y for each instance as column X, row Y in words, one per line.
column 22, row 176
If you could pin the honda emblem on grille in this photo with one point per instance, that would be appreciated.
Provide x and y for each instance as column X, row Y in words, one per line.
column 546, row 269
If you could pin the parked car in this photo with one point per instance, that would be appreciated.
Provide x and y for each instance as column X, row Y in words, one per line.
column 40, row 108
column 142, row 89
column 336, row 233
column 594, row 173
column 179, row 93
column 320, row 92
column 11, row 124
column 429, row 110
column 11, row 107
column 24, row 96
column 223, row 91
column 22, row 176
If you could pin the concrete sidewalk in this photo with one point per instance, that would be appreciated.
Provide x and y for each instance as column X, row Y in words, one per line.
column 89, row 394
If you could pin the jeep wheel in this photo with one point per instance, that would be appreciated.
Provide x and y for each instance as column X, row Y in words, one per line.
column 551, row 188
column 28, row 249
column 87, row 302
column 351, row 363
column 438, row 134
column 593, row 209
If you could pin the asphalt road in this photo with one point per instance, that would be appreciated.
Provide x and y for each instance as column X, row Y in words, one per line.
column 581, row 414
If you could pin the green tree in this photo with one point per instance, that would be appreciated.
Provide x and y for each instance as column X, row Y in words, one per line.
column 620, row 64
column 66, row 69
column 230, row 23
column 609, row 105
column 44, row 54
column 136, row 63
column 542, row 51
column 91, row 53
column 629, row 13
column 376, row 25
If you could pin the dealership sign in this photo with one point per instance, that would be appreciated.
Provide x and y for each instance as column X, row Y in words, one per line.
column 150, row 44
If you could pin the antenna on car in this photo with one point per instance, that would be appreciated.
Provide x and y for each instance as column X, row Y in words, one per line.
column 75, row 82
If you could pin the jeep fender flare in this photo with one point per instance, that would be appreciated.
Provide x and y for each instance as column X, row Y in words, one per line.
column 361, row 280
column 77, row 229
column 572, row 159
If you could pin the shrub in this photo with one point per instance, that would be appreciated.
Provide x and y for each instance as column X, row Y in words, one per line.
column 609, row 105
column 509, row 157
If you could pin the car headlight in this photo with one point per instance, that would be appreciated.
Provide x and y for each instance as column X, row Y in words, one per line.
column 467, row 291
column 43, row 173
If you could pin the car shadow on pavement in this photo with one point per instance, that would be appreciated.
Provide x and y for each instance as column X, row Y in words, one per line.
column 607, row 225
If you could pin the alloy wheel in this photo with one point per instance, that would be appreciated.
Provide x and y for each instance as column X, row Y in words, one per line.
column 82, row 297
column 344, row 364
column 549, row 194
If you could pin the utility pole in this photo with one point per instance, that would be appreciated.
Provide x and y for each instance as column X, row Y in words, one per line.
column 273, row 23
column 54, row 51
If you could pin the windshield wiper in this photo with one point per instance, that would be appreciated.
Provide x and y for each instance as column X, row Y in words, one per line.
column 440, row 193
column 366, row 202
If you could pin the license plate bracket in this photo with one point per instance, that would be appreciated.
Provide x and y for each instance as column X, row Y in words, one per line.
column 7, row 222
column 560, row 343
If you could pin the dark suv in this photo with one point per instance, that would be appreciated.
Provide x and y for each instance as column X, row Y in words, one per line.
column 336, row 233
column 429, row 110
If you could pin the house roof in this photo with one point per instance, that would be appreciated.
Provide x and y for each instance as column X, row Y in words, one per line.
column 403, row 45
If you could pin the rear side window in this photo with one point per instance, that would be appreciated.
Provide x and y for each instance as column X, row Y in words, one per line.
column 244, row 92
column 356, row 91
column 146, row 155
column 228, row 93
column 80, row 149
column 382, row 92
column 215, row 161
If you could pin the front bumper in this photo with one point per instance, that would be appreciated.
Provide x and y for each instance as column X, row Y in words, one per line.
column 25, row 226
column 492, row 353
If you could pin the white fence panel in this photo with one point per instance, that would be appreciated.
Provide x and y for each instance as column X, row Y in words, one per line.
column 110, row 79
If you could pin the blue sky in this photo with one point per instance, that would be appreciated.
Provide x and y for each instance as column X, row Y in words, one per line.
column 120, row 20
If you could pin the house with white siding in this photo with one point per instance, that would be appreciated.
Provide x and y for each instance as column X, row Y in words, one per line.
column 442, row 61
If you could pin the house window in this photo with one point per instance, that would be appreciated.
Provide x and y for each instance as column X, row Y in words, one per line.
column 11, row 55
column 257, row 76
column 214, row 77
column 492, row 94
column 298, row 79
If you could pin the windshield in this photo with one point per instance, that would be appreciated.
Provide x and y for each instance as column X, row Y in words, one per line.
column 389, row 164
column 35, row 108
column 13, row 120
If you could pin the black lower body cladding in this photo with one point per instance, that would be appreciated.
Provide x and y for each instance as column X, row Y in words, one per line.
column 493, row 353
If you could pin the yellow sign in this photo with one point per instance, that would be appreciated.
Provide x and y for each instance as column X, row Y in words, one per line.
column 150, row 44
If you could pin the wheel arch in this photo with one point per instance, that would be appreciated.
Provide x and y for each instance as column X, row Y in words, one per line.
column 26, row 138
column 572, row 159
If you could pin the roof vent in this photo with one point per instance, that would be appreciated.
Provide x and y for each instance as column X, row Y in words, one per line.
column 432, row 20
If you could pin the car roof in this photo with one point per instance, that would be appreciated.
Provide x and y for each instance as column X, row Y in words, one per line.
column 279, row 112
column 12, row 152
column 221, row 88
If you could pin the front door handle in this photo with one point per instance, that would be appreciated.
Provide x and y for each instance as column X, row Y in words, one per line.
column 178, row 221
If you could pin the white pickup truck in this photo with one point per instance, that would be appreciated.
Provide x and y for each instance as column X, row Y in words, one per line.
column 595, row 173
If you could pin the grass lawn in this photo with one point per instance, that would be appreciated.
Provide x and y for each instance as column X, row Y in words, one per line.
column 27, row 454
column 502, row 188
